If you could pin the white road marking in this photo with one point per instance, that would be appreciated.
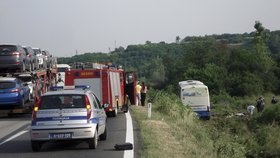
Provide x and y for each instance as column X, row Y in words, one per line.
column 129, row 136
column 13, row 137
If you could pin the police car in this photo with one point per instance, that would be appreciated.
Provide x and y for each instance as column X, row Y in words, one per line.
column 68, row 115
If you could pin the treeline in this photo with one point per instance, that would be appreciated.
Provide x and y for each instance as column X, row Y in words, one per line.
column 235, row 64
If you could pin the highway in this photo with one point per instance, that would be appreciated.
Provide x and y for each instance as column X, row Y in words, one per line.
column 15, row 140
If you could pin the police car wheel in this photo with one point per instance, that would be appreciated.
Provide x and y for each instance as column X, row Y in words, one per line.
column 36, row 146
column 104, row 135
column 93, row 141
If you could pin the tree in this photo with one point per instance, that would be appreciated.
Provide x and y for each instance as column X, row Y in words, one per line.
column 177, row 39
column 262, row 54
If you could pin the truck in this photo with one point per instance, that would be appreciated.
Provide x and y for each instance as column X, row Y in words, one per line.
column 195, row 94
column 37, row 81
column 112, row 86
column 61, row 69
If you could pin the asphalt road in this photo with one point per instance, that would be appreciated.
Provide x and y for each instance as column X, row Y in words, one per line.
column 20, row 146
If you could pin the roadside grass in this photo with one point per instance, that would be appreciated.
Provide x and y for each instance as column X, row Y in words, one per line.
column 156, row 137
column 175, row 131
column 172, row 131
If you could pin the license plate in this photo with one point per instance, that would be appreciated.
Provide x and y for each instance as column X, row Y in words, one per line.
column 60, row 135
column 18, row 111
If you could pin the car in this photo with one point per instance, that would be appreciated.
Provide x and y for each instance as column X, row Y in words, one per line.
column 32, row 59
column 47, row 57
column 12, row 57
column 42, row 62
column 13, row 93
column 68, row 114
column 27, row 79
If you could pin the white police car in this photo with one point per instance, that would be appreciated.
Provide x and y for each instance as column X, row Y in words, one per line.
column 68, row 115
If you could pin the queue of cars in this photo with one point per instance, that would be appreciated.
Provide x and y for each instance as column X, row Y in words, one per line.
column 22, row 58
column 59, row 114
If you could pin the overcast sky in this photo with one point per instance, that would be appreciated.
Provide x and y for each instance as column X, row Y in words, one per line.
column 64, row 26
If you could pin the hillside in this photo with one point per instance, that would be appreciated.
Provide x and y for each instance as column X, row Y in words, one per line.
column 236, row 64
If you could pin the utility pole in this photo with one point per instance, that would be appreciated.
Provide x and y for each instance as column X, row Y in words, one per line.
column 76, row 64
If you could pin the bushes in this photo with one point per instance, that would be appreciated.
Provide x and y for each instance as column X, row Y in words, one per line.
column 170, row 105
column 270, row 115
column 264, row 142
column 225, row 135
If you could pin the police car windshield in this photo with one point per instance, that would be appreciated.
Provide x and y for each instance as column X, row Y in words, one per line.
column 62, row 102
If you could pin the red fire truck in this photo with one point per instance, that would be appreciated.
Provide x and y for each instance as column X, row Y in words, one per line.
column 111, row 85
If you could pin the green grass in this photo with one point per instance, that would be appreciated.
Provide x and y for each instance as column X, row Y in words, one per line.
column 175, row 131
column 172, row 131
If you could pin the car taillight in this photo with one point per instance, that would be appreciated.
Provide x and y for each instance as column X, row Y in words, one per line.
column 36, row 108
column 88, row 107
column 16, row 54
column 15, row 90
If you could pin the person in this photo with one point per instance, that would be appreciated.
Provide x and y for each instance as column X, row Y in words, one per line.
column 143, row 93
column 250, row 109
column 138, row 93
column 260, row 104
column 274, row 100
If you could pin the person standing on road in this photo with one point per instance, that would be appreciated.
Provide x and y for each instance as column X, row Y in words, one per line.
column 138, row 93
column 143, row 93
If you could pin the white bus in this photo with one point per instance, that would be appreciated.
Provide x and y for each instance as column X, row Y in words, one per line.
column 61, row 69
column 196, row 95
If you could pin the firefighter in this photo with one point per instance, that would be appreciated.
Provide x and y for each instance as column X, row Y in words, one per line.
column 143, row 93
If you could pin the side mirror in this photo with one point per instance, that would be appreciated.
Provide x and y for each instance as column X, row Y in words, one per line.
column 105, row 106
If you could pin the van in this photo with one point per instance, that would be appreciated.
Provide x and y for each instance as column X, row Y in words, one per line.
column 195, row 94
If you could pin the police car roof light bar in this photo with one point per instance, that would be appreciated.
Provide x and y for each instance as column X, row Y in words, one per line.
column 55, row 88
column 82, row 87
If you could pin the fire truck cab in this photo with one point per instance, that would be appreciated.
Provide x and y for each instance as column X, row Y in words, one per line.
column 111, row 85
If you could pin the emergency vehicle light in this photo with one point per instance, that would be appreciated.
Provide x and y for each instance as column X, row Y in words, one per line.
column 82, row 86
column 56, row 88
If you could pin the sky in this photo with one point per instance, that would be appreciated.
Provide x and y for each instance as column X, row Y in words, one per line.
column 67, row 27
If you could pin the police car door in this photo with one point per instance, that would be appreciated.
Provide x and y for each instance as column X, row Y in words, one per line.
column 99, row 113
